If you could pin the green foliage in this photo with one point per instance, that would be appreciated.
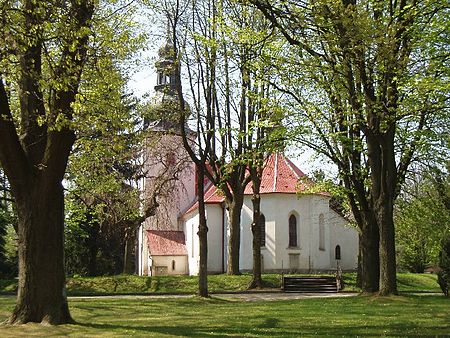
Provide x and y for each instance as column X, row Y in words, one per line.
column 130, row 284
column 231, row 317
column 102, row 198
column 444, row 264
column 422, row 220
column 8, row 237
column 3, row 228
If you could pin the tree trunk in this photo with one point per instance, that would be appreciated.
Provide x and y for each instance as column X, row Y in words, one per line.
column 41, row 295
column 128, row 251
column 388, row 273
column 359, row 268
column 91, row 241
column 369, row 257
column 384, row 182
column 234, row 223
column 202, row 235
column 256, row 281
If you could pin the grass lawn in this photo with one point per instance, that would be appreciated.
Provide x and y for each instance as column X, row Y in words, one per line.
column 425, row 315
column 407, row 282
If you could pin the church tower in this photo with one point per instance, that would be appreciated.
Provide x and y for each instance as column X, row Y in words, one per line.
column 164, row 107
column 169, row 173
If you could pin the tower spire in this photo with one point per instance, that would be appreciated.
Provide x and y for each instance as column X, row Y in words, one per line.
column 168, row 30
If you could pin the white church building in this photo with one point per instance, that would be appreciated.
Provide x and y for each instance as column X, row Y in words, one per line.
column 301, row 232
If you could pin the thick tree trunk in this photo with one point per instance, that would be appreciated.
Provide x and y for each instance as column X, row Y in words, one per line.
column 203, row 268
column 388, row 273
column 234, row 223
column 369, row 257
column 359, row 268
column 384, row 184
column 41, row 295
column 256, row 281
column 202, row 235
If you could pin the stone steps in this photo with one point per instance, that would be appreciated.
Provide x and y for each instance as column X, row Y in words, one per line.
column 310, row 284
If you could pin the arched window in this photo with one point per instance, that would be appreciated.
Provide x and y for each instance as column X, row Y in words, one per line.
column 321, row 233
column 337, row 252
column 262, row 226
column 292, row 231
column 173, row 265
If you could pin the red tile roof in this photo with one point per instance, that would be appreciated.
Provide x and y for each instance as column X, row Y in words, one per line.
column 279, row 175
column 166, row 243
column 212, row 196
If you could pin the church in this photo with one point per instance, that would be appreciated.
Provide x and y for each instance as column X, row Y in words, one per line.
column 300, row 232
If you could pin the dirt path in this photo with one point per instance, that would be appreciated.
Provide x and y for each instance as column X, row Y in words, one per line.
column 247, row 296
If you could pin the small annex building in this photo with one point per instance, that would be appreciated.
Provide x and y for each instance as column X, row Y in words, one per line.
column 167, row 254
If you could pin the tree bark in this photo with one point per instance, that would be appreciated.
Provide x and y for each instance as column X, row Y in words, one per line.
column 256, row 281
column 370, row 262
column 384, row 184
column 36, row 161
column 41, row 294
column 202, row 235
column 128, row 250
column 388, row 273
column 234, row 241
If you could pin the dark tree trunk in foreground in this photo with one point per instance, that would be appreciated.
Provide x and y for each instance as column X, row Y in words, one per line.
column 368, row 256
column 385, row 181
column 256, row 281
column 34, row 155
column 129, row 245
column 234, row 241
column 369, row 259
column 202, row 235
column 41, row 263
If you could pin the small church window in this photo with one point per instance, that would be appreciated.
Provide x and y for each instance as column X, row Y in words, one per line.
column 337, row 252
column 292, row 231
column 321, row 233
column 173, row 265
column 262, row 226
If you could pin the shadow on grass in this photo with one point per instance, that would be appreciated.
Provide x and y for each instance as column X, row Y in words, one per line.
column 269, row 328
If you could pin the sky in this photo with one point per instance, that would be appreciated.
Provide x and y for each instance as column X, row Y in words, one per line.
column 144, row 79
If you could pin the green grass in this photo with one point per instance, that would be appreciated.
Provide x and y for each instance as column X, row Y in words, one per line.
column 123, row 284
column 161, row 284
column 406, row 282
column 426, row 315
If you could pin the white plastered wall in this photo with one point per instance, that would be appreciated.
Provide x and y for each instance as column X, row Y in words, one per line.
column 214, row 218
column 346, row 236
column 181, row 267
column 307, row 209
column 277, row 208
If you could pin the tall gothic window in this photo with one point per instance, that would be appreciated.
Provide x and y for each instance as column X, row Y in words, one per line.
column 321, row 233
column 262, row 226
column 337, row 252
column 292, row 231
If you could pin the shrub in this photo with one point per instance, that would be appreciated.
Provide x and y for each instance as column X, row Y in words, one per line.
column 444, row 264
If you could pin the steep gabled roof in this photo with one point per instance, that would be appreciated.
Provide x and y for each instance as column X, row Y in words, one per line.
column 279, row 175
column 212, row 196
column 166, row 243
